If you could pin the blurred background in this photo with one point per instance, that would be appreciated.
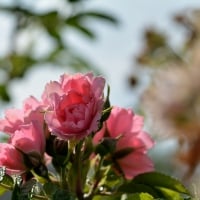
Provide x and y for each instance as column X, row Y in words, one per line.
column 147, row 51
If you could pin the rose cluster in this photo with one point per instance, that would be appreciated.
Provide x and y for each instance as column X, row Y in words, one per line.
column 73, row 123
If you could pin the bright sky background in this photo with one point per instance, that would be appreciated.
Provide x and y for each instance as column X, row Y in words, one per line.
column 115, row 48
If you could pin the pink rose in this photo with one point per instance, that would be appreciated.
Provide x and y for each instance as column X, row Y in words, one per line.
column 28, row 141
column 33, row 110
column 29, row 138
column 12, row 159
column 125, row 125
column 14, row 118
column 75, row 105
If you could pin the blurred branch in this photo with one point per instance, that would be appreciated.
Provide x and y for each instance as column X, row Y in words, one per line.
column 16, row 63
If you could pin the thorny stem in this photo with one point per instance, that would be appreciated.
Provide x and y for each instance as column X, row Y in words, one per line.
column 79, row 189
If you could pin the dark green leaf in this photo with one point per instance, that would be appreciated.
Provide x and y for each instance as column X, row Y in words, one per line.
column 16, row 192
column 165, row 186
column 107, row 197
column 82, row 29
column 113, row 181
column 63, row 195
column 132, row 187
column 107, row 101
column 156, row 179
column 101, row 16
column 106, row 146
column 122, row 153
column 20, row 64
column 141, row 196
column 2, row 190
column 25, row 189
column 52, row 22
column 50, row 188
column 6, row 181
column 94, row 14
column 4, row 95
column 106, row 109
column 171, row 194
column 54, row 192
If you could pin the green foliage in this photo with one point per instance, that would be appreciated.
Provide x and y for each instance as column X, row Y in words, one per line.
column 51, row 23
column 158, row 185
column 147, row 186
column 54, row 192
column 141, row 196
column 24, row 192
column 6, row 183
column 77, row 21
column 4, row 93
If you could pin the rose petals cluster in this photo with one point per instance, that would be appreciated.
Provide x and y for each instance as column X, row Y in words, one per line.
column 75, row 105
column 31, row 111
column 27, row 140
column 25, row 129
column 126, row 127
column 70, row 109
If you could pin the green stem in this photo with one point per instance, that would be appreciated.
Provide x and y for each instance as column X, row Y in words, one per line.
column 97, row 179
column 64, row 184
column 79, row 189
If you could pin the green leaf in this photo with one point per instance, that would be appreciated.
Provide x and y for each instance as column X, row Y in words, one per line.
column 16, row 192
column 2, row 190
column 20, row 64
column 106, row 109
column 163, row 184
column 81, row 28
column 95, row 14
column 4, row 95
column 132, row 187
column 106, row 146
column 6, row 182
column 102, row 16
column 63, row 195
column 113, row 181
column 171, row 195
column 52, row 22
column 25, row 189
column 139, row 196
column 54, row 192
column 78, row 21
column 157, row 179
column 107, row 101
column 122, row 153
column 106, row 197
column 50, row 188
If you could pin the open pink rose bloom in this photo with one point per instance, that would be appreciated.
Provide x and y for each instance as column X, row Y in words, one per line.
column 75, row 105
column 127, row 127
